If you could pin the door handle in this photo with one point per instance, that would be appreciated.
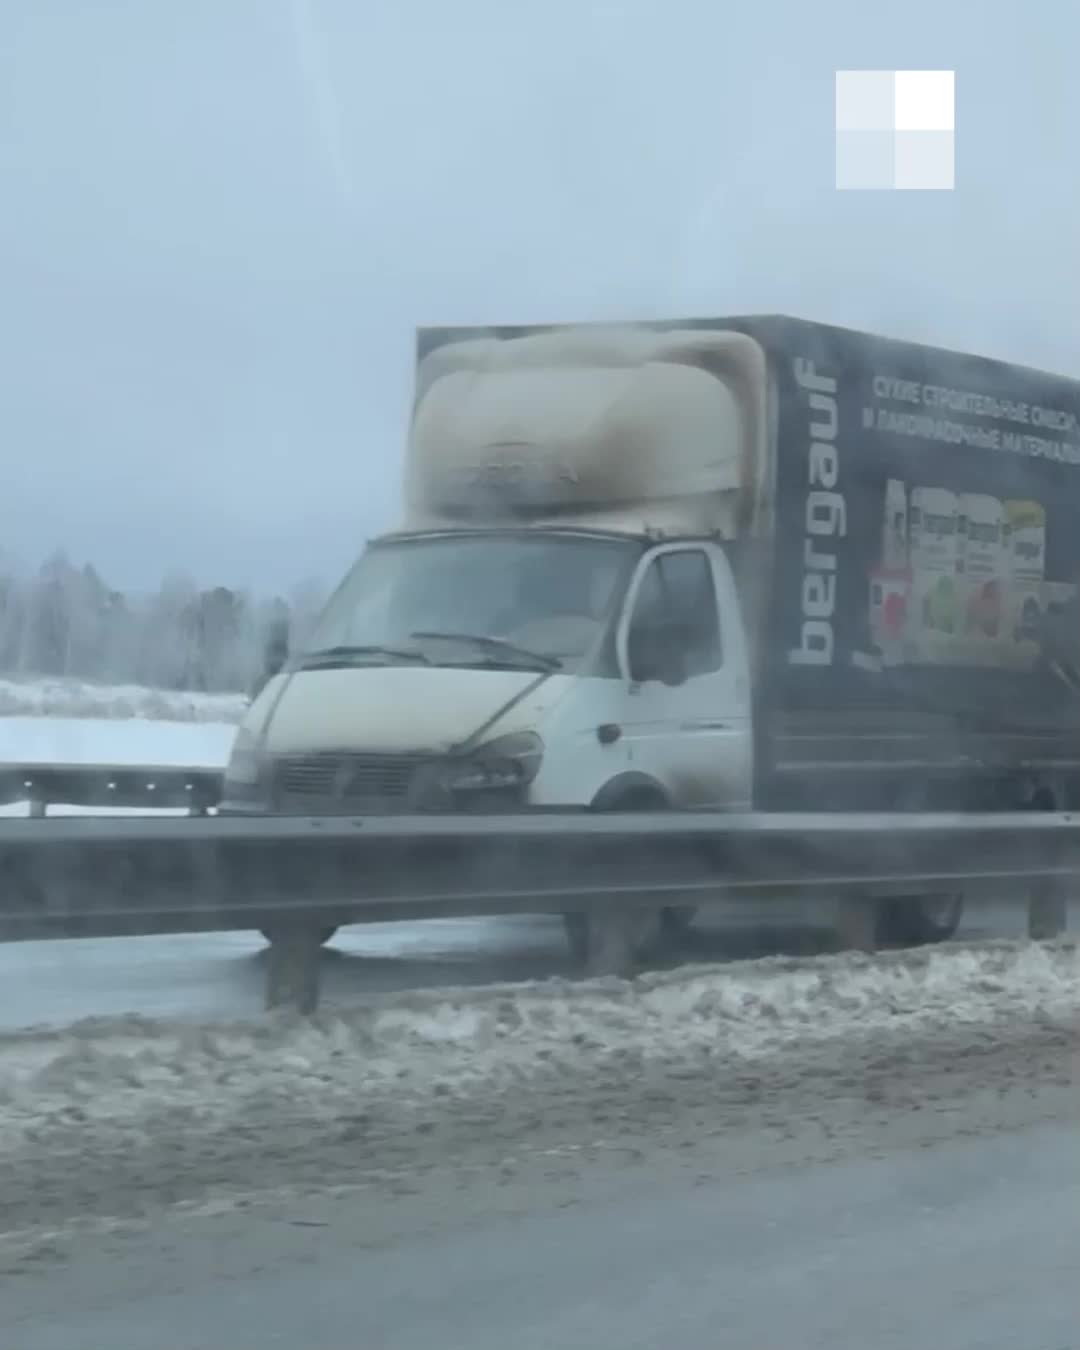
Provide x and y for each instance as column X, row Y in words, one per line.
column 706, row 726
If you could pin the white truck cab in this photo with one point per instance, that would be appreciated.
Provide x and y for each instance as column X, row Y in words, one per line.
column 487, row 669
column 557, row 624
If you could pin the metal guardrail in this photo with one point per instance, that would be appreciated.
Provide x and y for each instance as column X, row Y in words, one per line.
column 294, row 877
column 297, row 877
column 149, row 786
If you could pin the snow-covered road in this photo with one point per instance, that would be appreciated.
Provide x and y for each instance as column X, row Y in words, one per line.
column 961, row 1243
column 223, row 974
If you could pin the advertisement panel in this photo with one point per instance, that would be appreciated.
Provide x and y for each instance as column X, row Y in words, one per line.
column 928, row 540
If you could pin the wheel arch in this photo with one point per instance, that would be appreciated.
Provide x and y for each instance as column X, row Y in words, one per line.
column 631, row 787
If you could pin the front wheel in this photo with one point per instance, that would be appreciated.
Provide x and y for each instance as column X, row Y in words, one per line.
column 648, row 929
column 641, row 930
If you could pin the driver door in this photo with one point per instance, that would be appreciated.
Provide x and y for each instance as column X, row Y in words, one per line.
column 686, row 718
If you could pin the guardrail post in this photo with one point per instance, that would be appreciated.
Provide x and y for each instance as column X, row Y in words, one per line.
column 610, row 942
column 856, row 923
column 38, row 806
column 292, row 978
column 1046, row 909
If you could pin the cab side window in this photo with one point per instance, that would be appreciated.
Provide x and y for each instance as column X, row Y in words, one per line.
column 675, row 627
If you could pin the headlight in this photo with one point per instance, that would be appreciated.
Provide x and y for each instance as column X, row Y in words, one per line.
column 243, row 766
column 506, row 762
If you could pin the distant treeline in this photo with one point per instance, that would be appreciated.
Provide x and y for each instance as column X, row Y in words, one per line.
column 66, row 620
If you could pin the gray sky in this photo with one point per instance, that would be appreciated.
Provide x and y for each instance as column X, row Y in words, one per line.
column 221, row 220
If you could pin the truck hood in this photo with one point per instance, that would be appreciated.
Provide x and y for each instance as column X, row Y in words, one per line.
column 427, row 710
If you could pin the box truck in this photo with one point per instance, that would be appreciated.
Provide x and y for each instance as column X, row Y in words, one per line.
column 747, row 563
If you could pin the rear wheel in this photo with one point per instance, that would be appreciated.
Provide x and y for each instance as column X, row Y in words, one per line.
column 677, row 920
column 325, row 933
column 639, row 931
column 920, row 920
column 917, row 920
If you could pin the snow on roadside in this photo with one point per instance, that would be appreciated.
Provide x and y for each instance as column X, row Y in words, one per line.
column 90, row 740
column 56, row 697
column 134, row 1077
column 99, row 740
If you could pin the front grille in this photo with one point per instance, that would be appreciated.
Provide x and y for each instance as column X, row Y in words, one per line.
column 343, row 782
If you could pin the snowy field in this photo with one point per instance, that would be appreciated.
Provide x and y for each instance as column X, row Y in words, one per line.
column 80, row 699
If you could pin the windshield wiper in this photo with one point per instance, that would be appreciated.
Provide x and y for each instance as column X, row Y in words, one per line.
column 331, row 657
column 495, row 644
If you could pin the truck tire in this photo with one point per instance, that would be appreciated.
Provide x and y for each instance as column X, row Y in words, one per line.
column 677, row 920
column 325, row 933
column 640, row 932
column 668, row 922
column 920, row 921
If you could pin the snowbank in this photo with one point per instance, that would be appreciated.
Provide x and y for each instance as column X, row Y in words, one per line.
column 101, row 740
column 77, row 698
column 136, row 1077
column 88, row 740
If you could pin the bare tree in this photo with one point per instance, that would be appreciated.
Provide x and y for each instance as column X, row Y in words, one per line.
column 67, row 621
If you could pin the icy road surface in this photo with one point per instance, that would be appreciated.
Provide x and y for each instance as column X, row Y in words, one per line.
column 834, row 1151
column 224, row 974
column 889, row 1244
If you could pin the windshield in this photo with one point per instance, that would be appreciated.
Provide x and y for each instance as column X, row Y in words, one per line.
column 488, row 600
